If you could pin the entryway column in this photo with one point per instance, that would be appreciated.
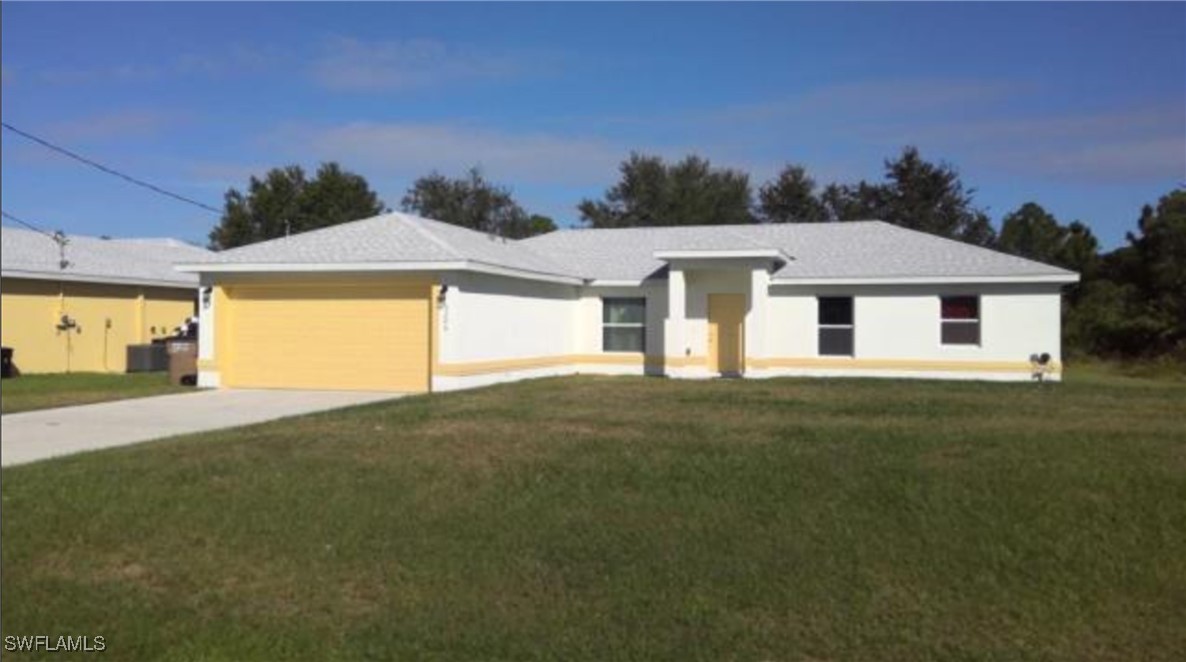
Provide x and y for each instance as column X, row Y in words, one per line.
column 673, row 326
column 755, row 323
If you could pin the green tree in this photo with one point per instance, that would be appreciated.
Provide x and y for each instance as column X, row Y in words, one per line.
column 1108, row 318
column 791, row 198
column 930, row 197
column 1031, row 232
column 1132, row 302
column 1079, row 251
column 1034, row 233
column 286, row 201
column 862, row 202
column 473, row 202
column 690, row 192
column 537, row 224
column 917, row 194
column 1156, row 267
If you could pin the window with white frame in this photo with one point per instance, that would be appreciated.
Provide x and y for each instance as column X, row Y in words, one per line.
column 960, row 320
column 835, row 326
column 623, row 325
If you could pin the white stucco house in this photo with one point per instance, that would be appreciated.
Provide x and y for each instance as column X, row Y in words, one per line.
column 398, row 302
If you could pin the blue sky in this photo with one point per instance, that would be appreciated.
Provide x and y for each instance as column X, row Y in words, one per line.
column 1081, row 107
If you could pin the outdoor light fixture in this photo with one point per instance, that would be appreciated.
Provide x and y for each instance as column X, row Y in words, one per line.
column 206, row 296
column 441, row 295
column 67, row 323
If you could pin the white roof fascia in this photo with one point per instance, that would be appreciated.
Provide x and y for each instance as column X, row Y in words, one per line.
column 493, row 269
column 597, row 282
column 328, row 267
column 89, row 278
column 712, row 254
column 266, row 267
column 929, row 280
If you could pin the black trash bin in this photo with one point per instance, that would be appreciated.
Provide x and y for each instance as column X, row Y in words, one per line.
column 6, row 358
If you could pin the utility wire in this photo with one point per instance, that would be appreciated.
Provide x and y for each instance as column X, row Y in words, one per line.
column 57, row 237
column 27, row 224
column 110, row 171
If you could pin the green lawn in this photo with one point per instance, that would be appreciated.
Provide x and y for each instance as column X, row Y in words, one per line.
column 611, row 518
column 30, row 392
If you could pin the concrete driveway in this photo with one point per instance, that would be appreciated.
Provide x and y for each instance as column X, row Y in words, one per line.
column 38, row 435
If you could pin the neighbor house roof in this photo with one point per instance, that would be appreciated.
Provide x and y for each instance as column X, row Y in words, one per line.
column 29, row 254
column 802, row 252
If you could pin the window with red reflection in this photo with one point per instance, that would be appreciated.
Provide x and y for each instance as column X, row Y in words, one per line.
column 960, row 323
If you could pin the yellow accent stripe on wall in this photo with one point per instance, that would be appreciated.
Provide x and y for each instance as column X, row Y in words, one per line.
column 504, row 365
column 896, row 364
column 921, row 365
column 536, row 362
column 683, row 361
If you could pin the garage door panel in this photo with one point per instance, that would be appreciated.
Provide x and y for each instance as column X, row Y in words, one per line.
column 334, row 337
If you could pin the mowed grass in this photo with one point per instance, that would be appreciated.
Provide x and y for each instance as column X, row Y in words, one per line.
column 29, row 392
column 612, row 518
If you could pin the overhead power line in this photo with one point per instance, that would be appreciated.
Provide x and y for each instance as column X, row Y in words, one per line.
column 58, row 237
column 111, row 171
column 26, row 224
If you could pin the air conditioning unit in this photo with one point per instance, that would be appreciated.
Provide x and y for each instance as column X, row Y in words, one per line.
column 148, row 358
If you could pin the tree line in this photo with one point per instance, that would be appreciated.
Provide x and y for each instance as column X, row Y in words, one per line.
column 1130, row 302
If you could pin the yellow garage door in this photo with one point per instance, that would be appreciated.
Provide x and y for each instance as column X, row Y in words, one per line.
column 355, row 336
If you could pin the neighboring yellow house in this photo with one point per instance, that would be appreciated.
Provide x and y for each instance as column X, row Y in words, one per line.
column 112, row 293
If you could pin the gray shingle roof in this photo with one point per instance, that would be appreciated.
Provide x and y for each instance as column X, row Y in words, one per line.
column 876, row 249
column 394, row 238
column 859, row 249
column 852, row 250
column 30, row 254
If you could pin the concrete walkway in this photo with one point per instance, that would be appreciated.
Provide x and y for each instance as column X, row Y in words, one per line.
column 38, row 435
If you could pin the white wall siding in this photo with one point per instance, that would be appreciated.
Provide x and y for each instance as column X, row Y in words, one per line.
column 902, row 323
column 589, row 315
column 791, row 323
column 458, row 383
column 490, row 318
column 494, row 319
column 207, row 378
column 701, row 283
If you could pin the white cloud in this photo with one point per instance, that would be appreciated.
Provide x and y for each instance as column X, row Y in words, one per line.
column 121, row 73
column 231, row 60
column 996, row 126
column 863, row 99
column 413, row 149
column 355, row 65
column 1107, row 161
column 219, row 176
column 1133, row 144
column 227, row 60
column 838, row 132
column 114, row 125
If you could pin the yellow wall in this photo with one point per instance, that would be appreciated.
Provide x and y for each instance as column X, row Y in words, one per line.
column 108, row 317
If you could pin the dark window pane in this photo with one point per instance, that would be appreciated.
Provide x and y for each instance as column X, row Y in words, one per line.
column 835, row 342
column 624, row 311
column 961, row 333
column 623, row 339
column 835, row 310
column 961, row 308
